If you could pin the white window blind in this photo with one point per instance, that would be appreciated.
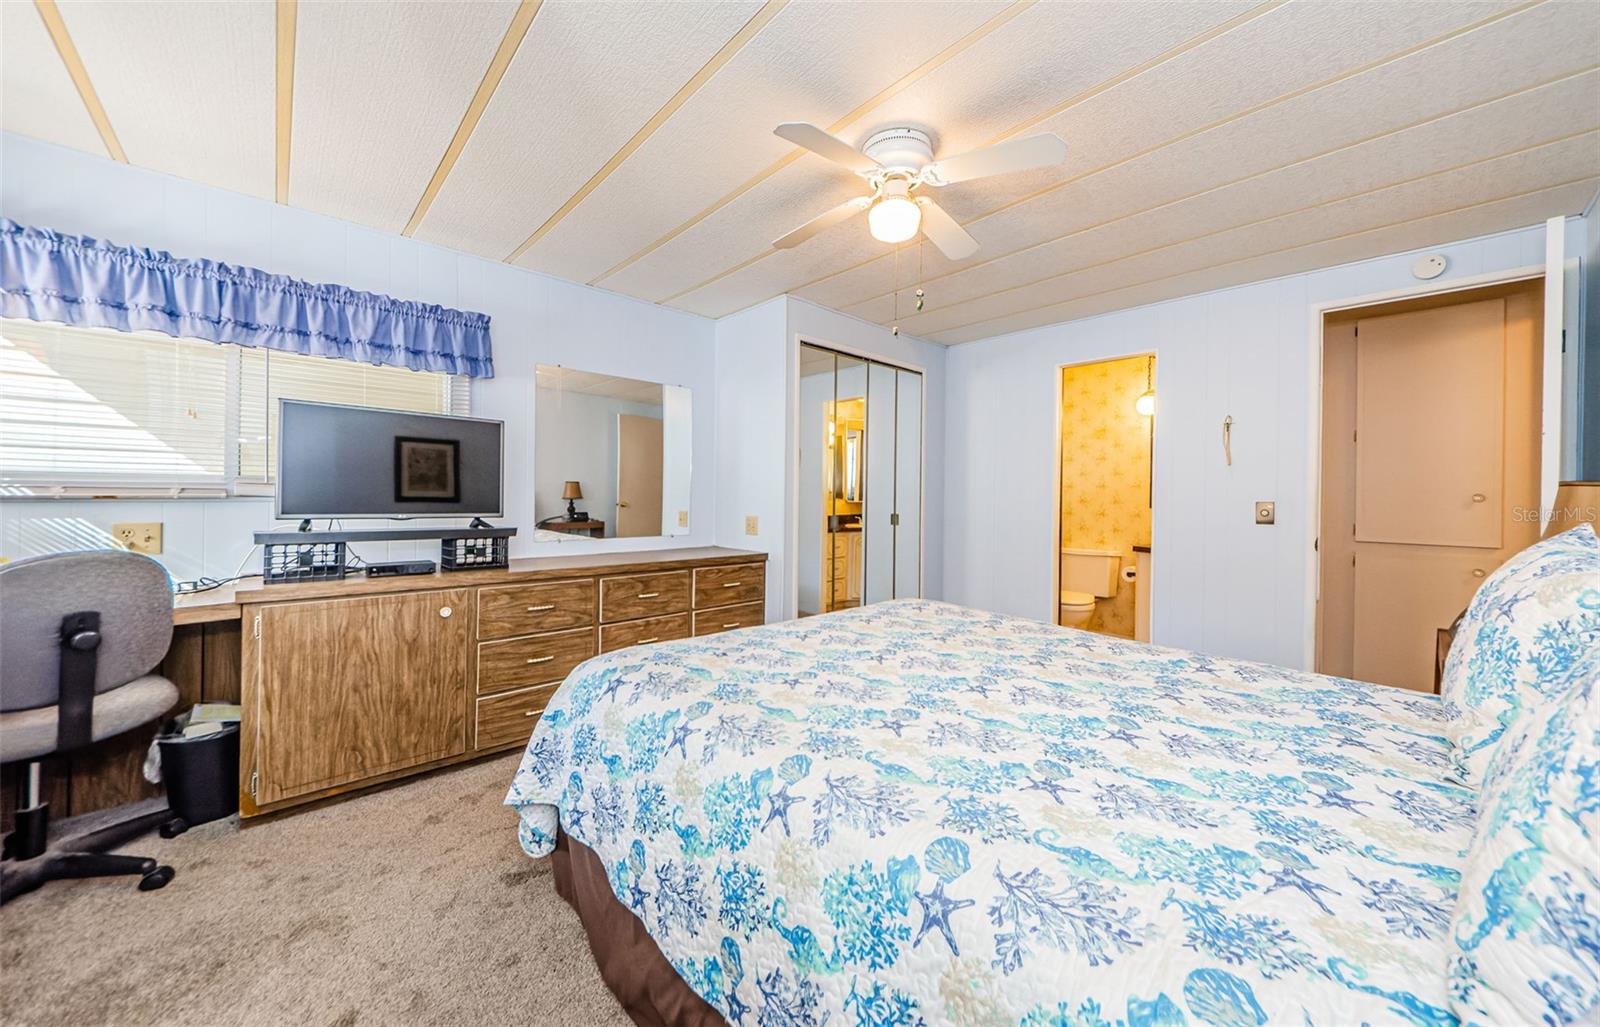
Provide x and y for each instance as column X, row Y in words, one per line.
column 96, row 408
column 84, row 406
column 266, row 377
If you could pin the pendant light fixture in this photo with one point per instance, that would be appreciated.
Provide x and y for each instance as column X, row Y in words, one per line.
column 1146, row 403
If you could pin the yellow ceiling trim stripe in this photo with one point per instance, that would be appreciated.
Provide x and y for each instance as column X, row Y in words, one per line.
column 1588, row 69
column 1293, row 94
column 757, row 22
column 910, row 323
column 288, row 13
column 940, row 58
column 53, row 24
column 1095, row 90
column 480, row 101
column 1259, row 256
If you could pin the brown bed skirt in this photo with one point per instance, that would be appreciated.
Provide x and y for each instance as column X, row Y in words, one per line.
column 651, row 992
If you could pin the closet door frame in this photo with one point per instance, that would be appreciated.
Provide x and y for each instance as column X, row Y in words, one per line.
column 791, row 578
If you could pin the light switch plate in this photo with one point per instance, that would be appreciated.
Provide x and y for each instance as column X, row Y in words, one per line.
column 144, row 537
column 752, row 525
column 1266, row 512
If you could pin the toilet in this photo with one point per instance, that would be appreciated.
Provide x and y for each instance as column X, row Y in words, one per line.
column 1086, row 575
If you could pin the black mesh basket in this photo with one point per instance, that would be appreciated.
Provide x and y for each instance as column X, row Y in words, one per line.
column 302, row 561
column 473, row 554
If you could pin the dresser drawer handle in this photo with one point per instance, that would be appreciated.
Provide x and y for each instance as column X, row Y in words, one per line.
column 647, row 641
column 731, row 624
column 732, row 584
column 648, row 595
column 541, row 607
column 540, row 659
column 532, row 713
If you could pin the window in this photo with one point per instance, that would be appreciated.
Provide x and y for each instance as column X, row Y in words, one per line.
column 96, row 409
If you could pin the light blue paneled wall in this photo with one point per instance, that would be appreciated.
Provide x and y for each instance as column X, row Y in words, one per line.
column 1221, row 584
column 536, row 319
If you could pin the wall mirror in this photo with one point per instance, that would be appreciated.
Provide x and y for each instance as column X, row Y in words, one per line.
column 612, row 456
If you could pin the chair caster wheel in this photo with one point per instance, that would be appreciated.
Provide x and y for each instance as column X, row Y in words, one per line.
column 156, row 878
column 174, row 827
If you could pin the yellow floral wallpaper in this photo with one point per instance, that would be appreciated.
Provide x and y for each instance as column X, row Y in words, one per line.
column 1105, row 472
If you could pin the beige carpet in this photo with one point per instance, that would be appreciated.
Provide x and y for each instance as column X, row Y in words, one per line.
column 413, row 905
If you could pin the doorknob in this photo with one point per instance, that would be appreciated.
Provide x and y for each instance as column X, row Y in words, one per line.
column 621, row 503
column 1478, row 497
column 445, row 611
column 1477, row 572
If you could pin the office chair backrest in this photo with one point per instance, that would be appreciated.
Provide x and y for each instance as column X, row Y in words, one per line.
column 131, row 594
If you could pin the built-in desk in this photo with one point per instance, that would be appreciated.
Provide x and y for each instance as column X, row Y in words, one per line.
column 351, row 683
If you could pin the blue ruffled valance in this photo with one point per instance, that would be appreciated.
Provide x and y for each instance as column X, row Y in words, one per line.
column 48, row 276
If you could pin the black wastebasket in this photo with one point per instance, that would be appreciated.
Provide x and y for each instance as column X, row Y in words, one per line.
column 202, row 777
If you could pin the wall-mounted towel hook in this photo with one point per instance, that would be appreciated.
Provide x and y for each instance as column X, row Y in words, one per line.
column 1227, row 439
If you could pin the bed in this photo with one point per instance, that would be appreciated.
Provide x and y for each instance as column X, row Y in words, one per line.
column 915, row 811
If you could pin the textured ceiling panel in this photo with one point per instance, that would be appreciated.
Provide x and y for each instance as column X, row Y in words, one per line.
column 1524, row 172
column 630, row 143
column 555, row 121
column 378, row 91
column 1485, row 219
column 1287, row 50
column 188, row 87
column 1109, row 39
column 813, row 62
column 37, row 97
column 1527, row 119
column 1508, row 55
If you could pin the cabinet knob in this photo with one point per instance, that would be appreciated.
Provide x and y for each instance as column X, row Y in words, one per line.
column 1478, row 497
column 445, row 611
column 1477, row 572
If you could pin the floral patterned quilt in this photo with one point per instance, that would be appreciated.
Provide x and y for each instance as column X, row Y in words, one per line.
column 916, row 812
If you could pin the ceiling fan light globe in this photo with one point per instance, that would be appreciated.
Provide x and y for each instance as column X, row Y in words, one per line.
column 894, row 219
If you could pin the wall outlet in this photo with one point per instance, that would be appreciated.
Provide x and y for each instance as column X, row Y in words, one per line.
column 140, row 538
column 1266, row 512
column 752, row 524
column 683, row 518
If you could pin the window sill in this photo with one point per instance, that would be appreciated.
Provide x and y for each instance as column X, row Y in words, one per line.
column 34, row 493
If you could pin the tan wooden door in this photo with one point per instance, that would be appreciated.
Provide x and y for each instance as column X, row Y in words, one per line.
column 355, row 688
column 638, row 476
column 1446, row 456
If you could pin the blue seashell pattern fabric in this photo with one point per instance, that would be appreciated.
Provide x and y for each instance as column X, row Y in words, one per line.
column 1526, row 931
column 916, row 813
column 1527, row 624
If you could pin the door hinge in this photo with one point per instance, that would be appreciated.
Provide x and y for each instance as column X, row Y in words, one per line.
column 1352, row 559
column 252, row 783
column 894, row 520
column 255, row 627
column 1563, row 340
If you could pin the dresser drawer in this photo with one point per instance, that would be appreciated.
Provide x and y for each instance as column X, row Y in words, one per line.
column 508, row 719
column 726, row 586
column 533, row 660
column 709, row 622
column 643, row 632
column 506, row 611
column 643, row 595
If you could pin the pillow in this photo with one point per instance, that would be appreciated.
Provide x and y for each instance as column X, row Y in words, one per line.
column 1526, row 931
column 1529, row 620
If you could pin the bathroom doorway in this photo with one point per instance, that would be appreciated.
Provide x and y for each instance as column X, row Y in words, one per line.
column 1106, row 446
column 1431, row 434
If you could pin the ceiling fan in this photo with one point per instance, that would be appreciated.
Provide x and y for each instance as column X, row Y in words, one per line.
column 898, row 164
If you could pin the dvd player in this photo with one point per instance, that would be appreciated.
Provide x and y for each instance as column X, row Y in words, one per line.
column 399, row 568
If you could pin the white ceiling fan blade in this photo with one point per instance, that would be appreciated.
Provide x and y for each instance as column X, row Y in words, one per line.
column 999, row 159
column 940, row 228
column 824, row 145
column 821, row 222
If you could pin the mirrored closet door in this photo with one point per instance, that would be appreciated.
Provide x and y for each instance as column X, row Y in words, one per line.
column 860, row 499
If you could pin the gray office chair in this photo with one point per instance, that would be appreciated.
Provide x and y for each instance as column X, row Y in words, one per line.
column 79, row 634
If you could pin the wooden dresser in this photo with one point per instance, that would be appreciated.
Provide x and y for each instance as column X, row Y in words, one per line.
column 350, row 683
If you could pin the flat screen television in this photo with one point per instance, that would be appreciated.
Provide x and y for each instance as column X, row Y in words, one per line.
column 343, row 461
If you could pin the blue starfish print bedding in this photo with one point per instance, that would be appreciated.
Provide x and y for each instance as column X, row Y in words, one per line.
column 915, row 812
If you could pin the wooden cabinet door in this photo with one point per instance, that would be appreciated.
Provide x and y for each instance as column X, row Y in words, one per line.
column 350, row 689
